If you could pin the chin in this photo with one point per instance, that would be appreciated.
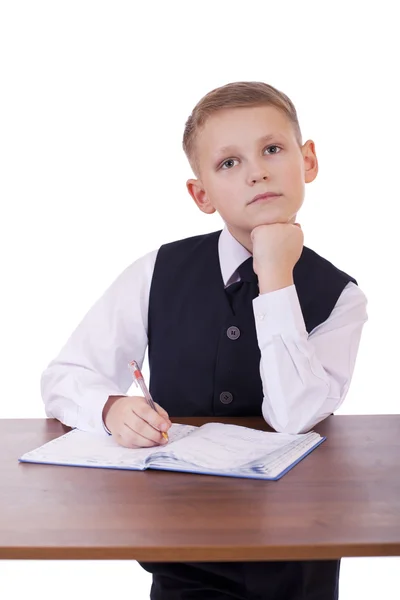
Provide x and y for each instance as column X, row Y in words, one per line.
column 270, row 219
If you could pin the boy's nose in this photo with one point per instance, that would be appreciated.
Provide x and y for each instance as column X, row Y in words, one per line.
column 259, row 178
column 256, row 177
column 257, row 172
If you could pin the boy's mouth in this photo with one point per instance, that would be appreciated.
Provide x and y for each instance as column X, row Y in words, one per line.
column 266, row 196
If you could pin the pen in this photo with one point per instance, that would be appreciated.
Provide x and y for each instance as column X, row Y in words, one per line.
column 139, row 381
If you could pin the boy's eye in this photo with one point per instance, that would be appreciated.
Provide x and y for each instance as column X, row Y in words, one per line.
column 274, row 146
column 228, row 164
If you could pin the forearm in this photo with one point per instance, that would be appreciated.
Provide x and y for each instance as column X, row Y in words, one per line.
column 298, row 391
column 305, row 377
column 76, row 396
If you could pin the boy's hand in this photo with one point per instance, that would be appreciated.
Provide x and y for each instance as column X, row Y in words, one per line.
column 133, row 423
column 276, row 250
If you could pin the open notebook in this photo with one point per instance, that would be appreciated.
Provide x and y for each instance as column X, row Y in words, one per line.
column 212, row 449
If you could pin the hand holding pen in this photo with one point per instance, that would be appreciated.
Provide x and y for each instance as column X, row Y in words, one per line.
column 134, row 423
column 139, row 381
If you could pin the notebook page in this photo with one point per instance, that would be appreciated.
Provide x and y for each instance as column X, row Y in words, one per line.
column 81, row 448
column 225, row 447
column 276, row 462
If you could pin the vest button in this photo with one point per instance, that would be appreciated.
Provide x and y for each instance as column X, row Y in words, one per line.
column 226, row 397
column 233, row 333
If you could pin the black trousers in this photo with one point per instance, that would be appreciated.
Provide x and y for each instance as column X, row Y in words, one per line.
column 280, row 580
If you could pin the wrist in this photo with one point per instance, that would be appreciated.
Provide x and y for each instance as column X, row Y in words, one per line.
column 106, row 409
column 270, row 282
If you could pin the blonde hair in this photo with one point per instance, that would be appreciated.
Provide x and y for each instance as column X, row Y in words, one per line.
column 239, row 94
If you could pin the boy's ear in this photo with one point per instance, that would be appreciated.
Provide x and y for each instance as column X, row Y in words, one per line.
column 199, row 195
column 310, row 161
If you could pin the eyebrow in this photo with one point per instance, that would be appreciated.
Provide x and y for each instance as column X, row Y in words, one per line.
column 264, row 138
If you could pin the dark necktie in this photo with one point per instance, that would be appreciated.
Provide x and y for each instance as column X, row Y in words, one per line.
column 242, row 293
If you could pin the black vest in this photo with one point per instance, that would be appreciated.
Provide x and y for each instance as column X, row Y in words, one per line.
column 196, row 369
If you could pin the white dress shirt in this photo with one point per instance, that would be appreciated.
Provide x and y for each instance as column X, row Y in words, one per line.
column 305, row 376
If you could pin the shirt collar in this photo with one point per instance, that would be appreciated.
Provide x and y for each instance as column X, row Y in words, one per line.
column 231, row 256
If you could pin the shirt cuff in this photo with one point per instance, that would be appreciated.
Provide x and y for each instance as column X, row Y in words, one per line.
column 278, row 312
column 106, row 429
column 90, row 415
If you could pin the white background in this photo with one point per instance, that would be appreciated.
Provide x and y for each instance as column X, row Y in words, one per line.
column 94, row 97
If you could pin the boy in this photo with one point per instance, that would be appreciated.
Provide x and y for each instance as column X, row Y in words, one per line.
column 243, row 322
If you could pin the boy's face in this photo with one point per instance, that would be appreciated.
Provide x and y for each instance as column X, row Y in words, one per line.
column 237, row 162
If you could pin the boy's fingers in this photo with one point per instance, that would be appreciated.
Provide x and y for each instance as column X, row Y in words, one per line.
column 162, row 412
column 133, row 439
column 135, row 424
column 140, row 426
column 150, row 416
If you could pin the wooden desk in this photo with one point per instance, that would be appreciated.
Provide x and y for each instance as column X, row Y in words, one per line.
column 342, row 500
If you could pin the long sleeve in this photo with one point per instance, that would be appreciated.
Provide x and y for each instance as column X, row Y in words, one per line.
column 306, row 376
column 93, row 364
